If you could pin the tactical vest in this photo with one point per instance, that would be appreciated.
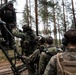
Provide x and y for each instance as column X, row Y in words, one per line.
column 52, row 50
column 8, row 16
column 65, row 67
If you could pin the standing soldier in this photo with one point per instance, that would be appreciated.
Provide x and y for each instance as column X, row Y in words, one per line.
column 8, row 15
column 64, row 63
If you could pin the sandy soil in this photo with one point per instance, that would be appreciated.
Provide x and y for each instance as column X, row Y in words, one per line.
column 6, row 70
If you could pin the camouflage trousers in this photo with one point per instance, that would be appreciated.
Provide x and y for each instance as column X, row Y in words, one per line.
column 31, row 61
column 44, row 59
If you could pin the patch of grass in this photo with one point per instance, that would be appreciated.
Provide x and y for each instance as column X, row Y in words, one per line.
column 2, row 56
column 10, row 54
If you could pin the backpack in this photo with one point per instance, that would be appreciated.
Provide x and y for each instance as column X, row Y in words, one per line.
column 65, row 67
column 52, row 50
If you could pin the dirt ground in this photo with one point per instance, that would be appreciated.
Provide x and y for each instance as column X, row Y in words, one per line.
column 6, row 70
column 5, row 67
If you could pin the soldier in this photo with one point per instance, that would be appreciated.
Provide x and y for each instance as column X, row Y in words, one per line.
column 28, row 45
column 8, row 15
column 64, row 63
column 47, row 53
column 32, row 61
column 27, row 39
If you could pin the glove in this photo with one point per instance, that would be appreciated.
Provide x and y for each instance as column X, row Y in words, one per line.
column 41, row 49
column 20, row 30
column 2, row 23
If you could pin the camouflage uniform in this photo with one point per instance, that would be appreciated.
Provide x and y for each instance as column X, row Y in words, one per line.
column 51, row 68
column 32, row 56
column 26, row 39
column 64, row 63
column 8, row 15
column 32, row 61
column 45, row 57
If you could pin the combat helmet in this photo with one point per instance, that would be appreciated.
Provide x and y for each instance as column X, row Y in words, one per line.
column 41, row 40
column 26, row 28
column 49, row 40
column 10, row 3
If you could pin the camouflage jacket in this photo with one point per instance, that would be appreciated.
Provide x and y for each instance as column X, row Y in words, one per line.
column 26, row 41
column 8, row 16
column 52, row 50
column 51, row 68
column 22, row 35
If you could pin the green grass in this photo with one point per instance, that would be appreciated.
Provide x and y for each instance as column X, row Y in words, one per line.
column 10, row 54
column 2, row 56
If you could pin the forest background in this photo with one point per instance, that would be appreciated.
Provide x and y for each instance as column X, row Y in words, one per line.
column 47, row 17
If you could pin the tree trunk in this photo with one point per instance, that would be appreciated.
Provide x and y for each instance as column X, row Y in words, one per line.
column 73, row 14
column 59, row 34
column 55, row 31
column 1, row 3
column 36, row 16
column 30, row 13
column 64, row 16
column 27, row 12
column 46, row 17
column 5, row 1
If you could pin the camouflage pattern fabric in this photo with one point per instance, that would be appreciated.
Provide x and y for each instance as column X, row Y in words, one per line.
column 18, row 34
column 31, row 61
column 45, row 57
column 51, row 68
column 27, row 41
column 8, row 15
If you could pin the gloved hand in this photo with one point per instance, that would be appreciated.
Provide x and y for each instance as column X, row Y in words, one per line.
column 20, row 30
column 41, row 48
column 2, row 22
column 19, row 56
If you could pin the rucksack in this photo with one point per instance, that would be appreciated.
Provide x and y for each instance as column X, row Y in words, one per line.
column 52, row 50
column 65, row 67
